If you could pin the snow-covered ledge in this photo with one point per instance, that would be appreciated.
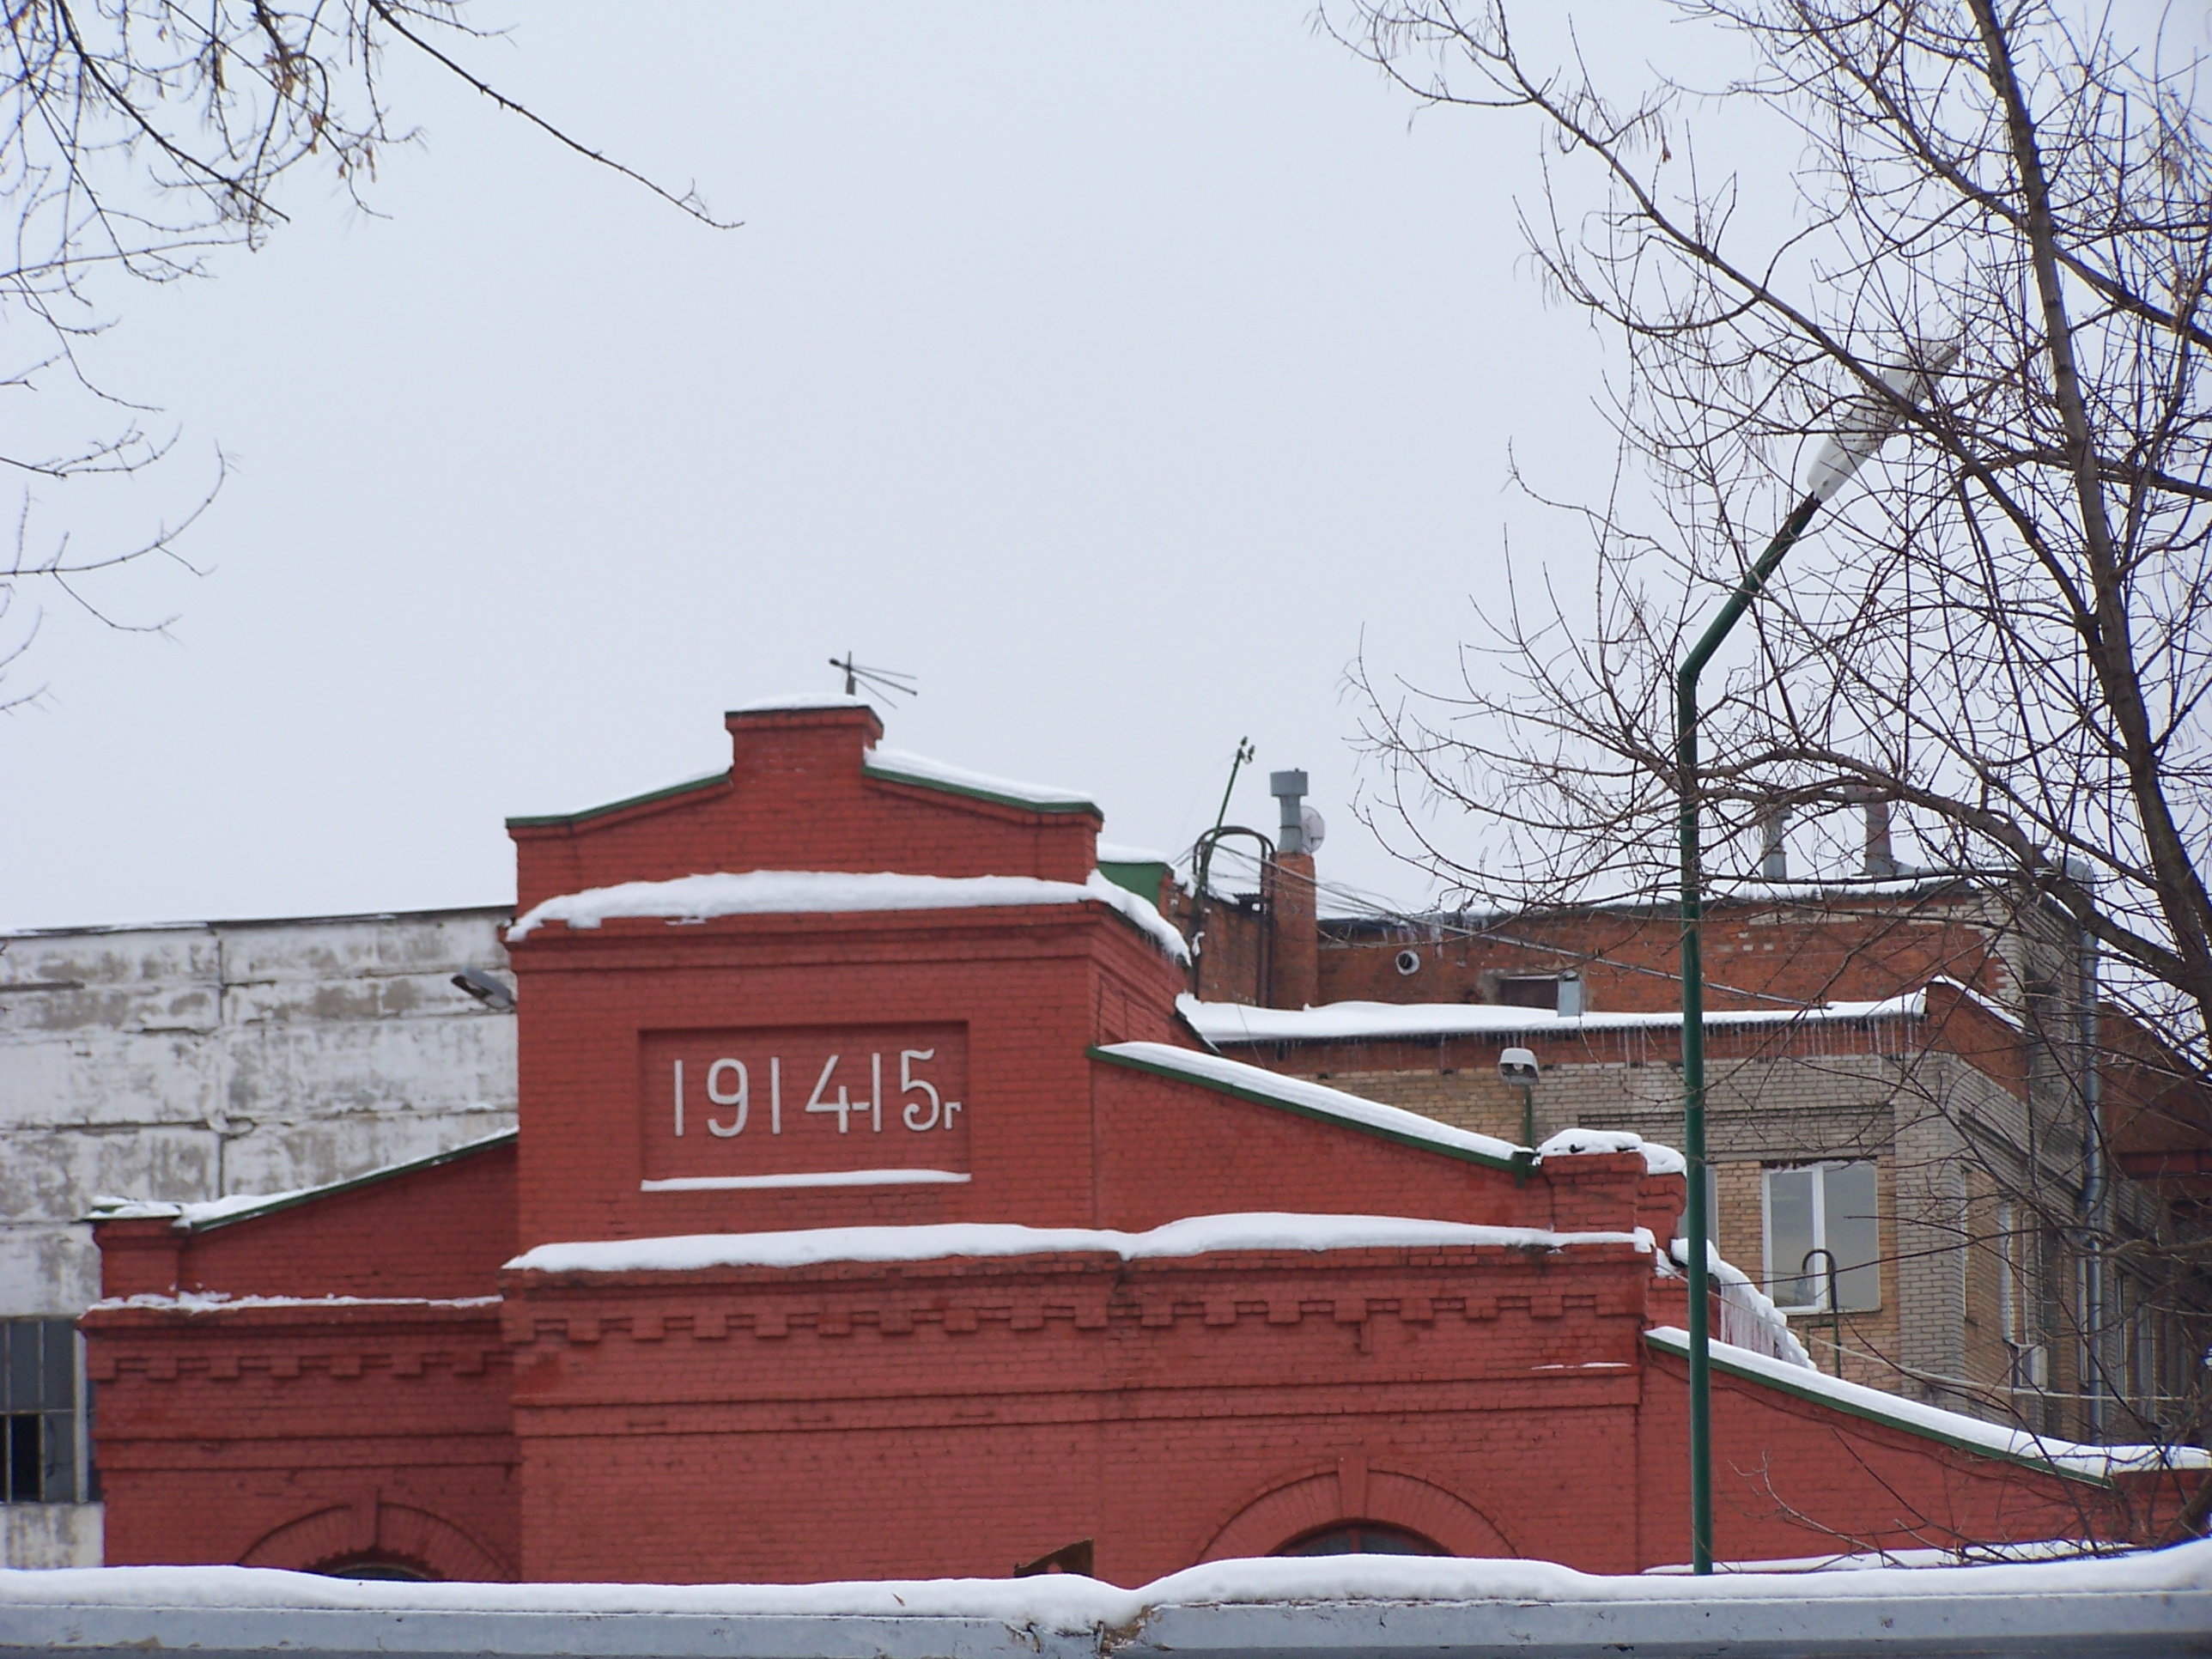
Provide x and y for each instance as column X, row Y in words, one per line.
column 2141, row 1606
column 1201, row 1235
column 832, row 892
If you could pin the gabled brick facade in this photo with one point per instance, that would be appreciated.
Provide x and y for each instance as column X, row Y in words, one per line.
column 750, row 1398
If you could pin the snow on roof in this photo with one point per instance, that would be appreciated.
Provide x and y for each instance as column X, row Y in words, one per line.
column 1316, row 1100
column 1115, row 852
column 1195, row 1235
column 218, row 1302
column 799, row 701
column 897, row 766
column 1955, row 1428
column 809, row 892
column 1971, row 995
column 1749, row 1319
column 1340, row 1022
column 200, row 1214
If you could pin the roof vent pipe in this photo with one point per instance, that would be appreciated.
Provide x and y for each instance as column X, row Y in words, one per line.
column 1881, row 861
column 1289, row 788
column 1774, row 855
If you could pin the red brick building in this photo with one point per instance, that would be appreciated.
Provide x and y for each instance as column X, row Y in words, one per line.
column 874, row 1212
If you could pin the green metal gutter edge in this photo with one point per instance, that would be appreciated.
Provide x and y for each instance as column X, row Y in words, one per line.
column 884, row 773
column 1888, row 1419
column 551, row 819
column 1511, row 1165
column 1200, row 1037
column 1142, row 877
column 391, row 1171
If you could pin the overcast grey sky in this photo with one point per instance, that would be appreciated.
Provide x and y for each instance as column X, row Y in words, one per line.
column 1119, row 371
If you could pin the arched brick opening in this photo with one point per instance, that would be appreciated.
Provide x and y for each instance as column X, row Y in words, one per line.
column 1333, row 1496
column 370, row 1529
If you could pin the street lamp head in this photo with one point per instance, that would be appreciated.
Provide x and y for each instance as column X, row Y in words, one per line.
column 1867, row 421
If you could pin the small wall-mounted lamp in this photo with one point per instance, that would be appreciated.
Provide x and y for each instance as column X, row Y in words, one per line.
column 1519, row 1066
column 494, row 994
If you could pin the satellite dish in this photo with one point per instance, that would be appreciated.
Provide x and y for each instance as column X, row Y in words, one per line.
column 1311, row 825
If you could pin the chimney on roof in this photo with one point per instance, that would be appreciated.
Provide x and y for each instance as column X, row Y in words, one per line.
column 1293, row 913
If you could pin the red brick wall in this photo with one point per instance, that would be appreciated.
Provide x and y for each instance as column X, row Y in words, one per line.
column 865, row 1421
column 289, row 1436
column 1293, row 955
column 1169, row 1150
column 1860, row 1484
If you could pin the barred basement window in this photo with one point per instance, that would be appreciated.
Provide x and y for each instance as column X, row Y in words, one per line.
column 1363, row 1538
column 1823, row 1207
column 43, row 1458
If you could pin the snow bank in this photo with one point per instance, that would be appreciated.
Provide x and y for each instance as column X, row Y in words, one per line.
column 1196, row 1236
column 1971, row 1432
column 1657, row 1159
column 899, row 767
column 814, row 892
column 1067, row 1604
column 1313, row 1099
column 1348, row 1022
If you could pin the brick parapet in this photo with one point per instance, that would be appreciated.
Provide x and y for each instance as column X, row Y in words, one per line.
column 1084, row 1291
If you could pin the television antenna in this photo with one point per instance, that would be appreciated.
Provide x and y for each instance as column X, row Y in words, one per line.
column 862, row 681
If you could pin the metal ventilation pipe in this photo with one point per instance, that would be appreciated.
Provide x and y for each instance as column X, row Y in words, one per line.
column 1881, row 859
column 1773, row 855
column 1289, row 788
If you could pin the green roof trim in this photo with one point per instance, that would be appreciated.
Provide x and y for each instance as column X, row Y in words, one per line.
column 549, row 820
column 1298, row 1109
column 1875, row 1415
column 389, row 1172
column 883, row 774
column 1142, row 877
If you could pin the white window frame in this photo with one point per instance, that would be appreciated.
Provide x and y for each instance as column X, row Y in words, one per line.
column 1819, row 1172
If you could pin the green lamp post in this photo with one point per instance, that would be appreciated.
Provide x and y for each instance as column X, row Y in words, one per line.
column 1840, row 457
